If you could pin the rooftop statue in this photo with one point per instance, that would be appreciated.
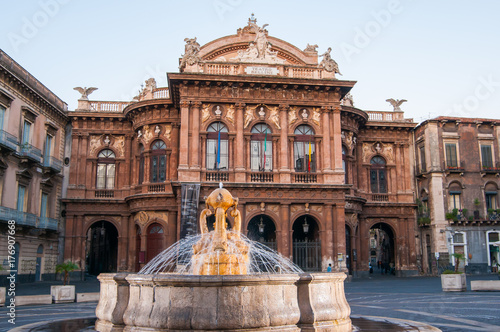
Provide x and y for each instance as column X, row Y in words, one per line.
column 259, row 50
column 328, row 63
column 85, row 92
column 396, row 103
column 191, row 53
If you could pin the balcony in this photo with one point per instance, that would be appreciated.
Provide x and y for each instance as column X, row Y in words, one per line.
column 490, row 170
column 305, row 178
column 48, row 223
column 221, row 176
column 380, row 198
column 52, row 164
column 27, row 219
column 8, row 141
column 104, row 194
column 30, row 152
column 261, row 177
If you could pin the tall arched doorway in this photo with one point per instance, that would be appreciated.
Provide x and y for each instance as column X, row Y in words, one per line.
column 306, row 244
column 348, row 260
column 154, row 241
column 382, row 256
column 102, row 248
column 262, row 229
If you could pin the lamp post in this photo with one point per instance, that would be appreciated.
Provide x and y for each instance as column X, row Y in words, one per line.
column 305, row 226
column 261, row 226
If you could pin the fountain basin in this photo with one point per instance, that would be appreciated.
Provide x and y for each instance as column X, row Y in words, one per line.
column 254, row 302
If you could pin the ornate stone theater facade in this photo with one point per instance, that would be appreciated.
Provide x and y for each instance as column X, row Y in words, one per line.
column 318, row 179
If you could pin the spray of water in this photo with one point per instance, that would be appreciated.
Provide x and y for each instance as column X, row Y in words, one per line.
column 177, row 258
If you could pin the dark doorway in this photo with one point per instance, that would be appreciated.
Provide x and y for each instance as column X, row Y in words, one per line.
column 382, row 257
column 261, row 228
column 39, row 256
column 306, row 244
column 102, row 248
column 154, row 241
column 348, row 249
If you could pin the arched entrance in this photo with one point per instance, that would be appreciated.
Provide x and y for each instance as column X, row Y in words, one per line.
column 306, row 244
column 139, row 255
column 382, row 257
column 102, row 248
column 154, row 240
column 262, row 229
column 348, row 249
column 39, row 256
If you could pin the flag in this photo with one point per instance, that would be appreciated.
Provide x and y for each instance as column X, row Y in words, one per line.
column 309, row 163
column 218, row 148
column 265, row 149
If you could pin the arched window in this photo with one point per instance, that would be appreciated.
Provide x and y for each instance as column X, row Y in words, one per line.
column 455, row 192
column 217, row 147
column 304, row 149
column 141, row 164
column 261, row 148
column 344, row 165
column 378, row 175
column 158, row 161
column 106, row 170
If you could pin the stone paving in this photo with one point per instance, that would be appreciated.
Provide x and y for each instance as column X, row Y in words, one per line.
column 419, row 299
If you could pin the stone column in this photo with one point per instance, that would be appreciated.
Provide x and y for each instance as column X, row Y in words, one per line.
column 339, row 234
column 338, row 176
column 195, row 136
column 184, row 141
column 328, row 250
column 69, row 253
column 121, row 260
column 239, row 165
column 132, row 249
column 285, row 229
column 175, row 151
column 326, row 153
column 284, row 167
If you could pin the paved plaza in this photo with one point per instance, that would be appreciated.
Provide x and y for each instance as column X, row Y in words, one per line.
column 418, row 299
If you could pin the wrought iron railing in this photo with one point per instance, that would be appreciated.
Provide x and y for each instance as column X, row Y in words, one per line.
column 8, row 140
column 27, row 219
column 53, row 163
column 29, row 151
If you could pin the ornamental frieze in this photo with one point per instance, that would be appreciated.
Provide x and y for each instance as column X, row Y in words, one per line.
column 143, row 217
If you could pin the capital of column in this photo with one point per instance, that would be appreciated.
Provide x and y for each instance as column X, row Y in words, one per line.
column 240, row 106
column 284, row 107
column 184, row 103
column 196, row 104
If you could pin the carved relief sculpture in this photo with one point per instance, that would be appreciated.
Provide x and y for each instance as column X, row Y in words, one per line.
column 274, row 117
column 168, row 130
column 292, row 115
column 119, row 145
column 95, row 143
column 389, row 151
column 316, row 116
column 249, row 116
column 328, row 63
column 157, row 130
column 230, row 113
column 348, row 140
column 205, row 112
column 148, row 135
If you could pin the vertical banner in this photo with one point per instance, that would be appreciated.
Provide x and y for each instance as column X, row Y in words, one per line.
column 190, row 194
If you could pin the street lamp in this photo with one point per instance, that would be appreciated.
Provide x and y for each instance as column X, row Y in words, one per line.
column 261, row 226
column 305, row 226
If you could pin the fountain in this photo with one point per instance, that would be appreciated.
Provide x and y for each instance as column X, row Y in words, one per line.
column 220, row 280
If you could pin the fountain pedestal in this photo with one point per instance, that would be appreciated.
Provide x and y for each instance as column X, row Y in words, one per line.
column 267, row 302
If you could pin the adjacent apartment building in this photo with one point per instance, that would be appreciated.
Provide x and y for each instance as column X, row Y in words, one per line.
column 457, row 174
column 33, row 128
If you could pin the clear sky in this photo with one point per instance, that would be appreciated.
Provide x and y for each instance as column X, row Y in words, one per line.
column 442, row 56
